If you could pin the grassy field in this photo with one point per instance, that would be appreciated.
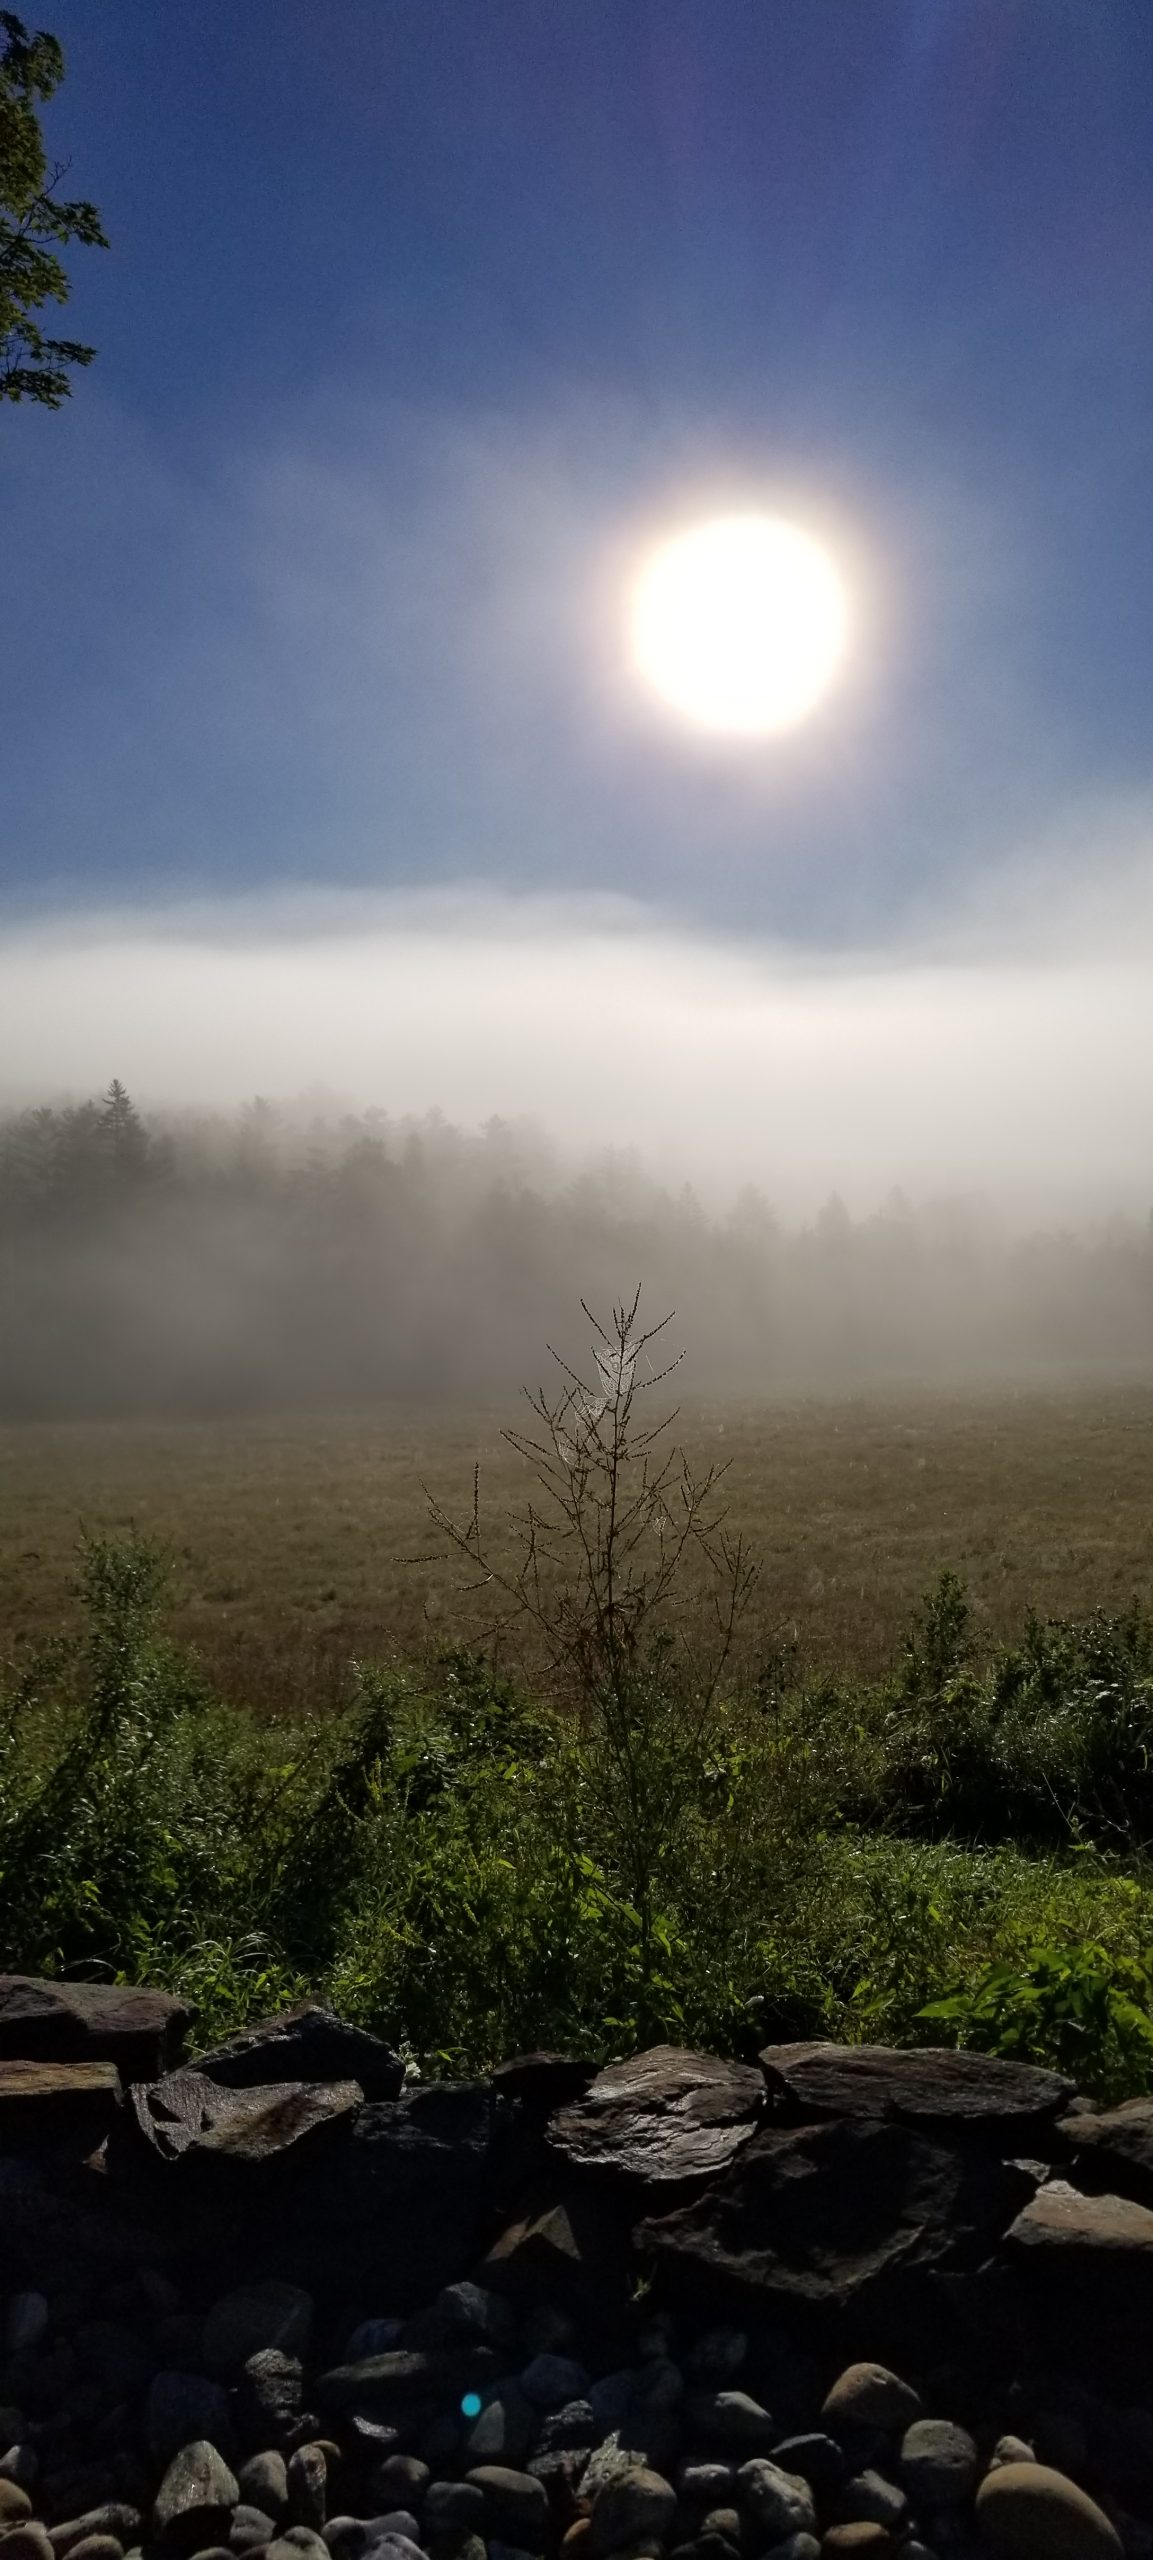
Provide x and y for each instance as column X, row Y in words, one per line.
column 288, row 1536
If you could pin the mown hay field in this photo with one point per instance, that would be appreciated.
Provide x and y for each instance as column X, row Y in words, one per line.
column 291, row 1538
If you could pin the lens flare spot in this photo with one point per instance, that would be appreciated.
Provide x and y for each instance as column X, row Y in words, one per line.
column 470, row 2405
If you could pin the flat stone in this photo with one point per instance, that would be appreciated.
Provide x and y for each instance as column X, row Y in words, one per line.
column 1089, row 2257
column 923, row 2086
column 195, row 2499
column 856, row 2542
column 1114, row 2150
column 1027, row 2512
column 663, row 2116
column 636, row 2508
column 48, row 2101
column 186, row 2116
column 261, row 2124
column 15, row 2504
column 780, row 2502
column 306, row 2043
column 832, row 2214
column 140, row 2032
column 172, row 2113
column 938, row 2463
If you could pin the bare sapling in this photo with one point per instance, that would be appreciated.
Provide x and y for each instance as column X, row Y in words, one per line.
column 625, row 1568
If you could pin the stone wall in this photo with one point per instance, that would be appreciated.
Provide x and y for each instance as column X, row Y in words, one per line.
column 557, row 2293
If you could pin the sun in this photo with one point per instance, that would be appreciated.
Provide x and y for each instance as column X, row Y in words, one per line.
column 741, row 623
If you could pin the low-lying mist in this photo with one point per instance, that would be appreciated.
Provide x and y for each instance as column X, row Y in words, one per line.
column 264, row 1258
column 996, row 1047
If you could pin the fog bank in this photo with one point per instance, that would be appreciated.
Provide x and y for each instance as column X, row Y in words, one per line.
column 1006, row 1055
column 264, row 1260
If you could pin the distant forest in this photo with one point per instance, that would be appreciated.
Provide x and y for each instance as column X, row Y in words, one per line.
column 262, row 1260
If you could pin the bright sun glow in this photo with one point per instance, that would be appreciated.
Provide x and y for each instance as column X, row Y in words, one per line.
column 740, row 623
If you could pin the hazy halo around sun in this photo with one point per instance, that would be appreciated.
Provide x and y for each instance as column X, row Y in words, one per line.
column 740, row 623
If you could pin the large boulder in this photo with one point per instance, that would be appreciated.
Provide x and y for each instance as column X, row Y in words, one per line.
column 663, row 2117
column 1086, row 2264
column 141, row 2032
column 410, row 2206
column 835, row 2217
column 1114, row 2151
column 47, row 2102
column 1011, row 2105
column 188, row 2117
column 308, row 2042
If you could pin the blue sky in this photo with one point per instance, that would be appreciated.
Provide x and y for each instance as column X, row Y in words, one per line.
column 323, row 763
column 421, row 315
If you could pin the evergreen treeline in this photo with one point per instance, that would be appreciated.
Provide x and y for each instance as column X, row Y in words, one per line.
column 260, row 1261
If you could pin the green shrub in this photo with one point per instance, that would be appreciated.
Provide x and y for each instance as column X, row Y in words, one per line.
column 450, row 1860
column 1082, row 2009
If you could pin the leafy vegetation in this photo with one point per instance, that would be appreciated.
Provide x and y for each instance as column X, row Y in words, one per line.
column 640, row 1828
column 35, row 222
column 442, row 1855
